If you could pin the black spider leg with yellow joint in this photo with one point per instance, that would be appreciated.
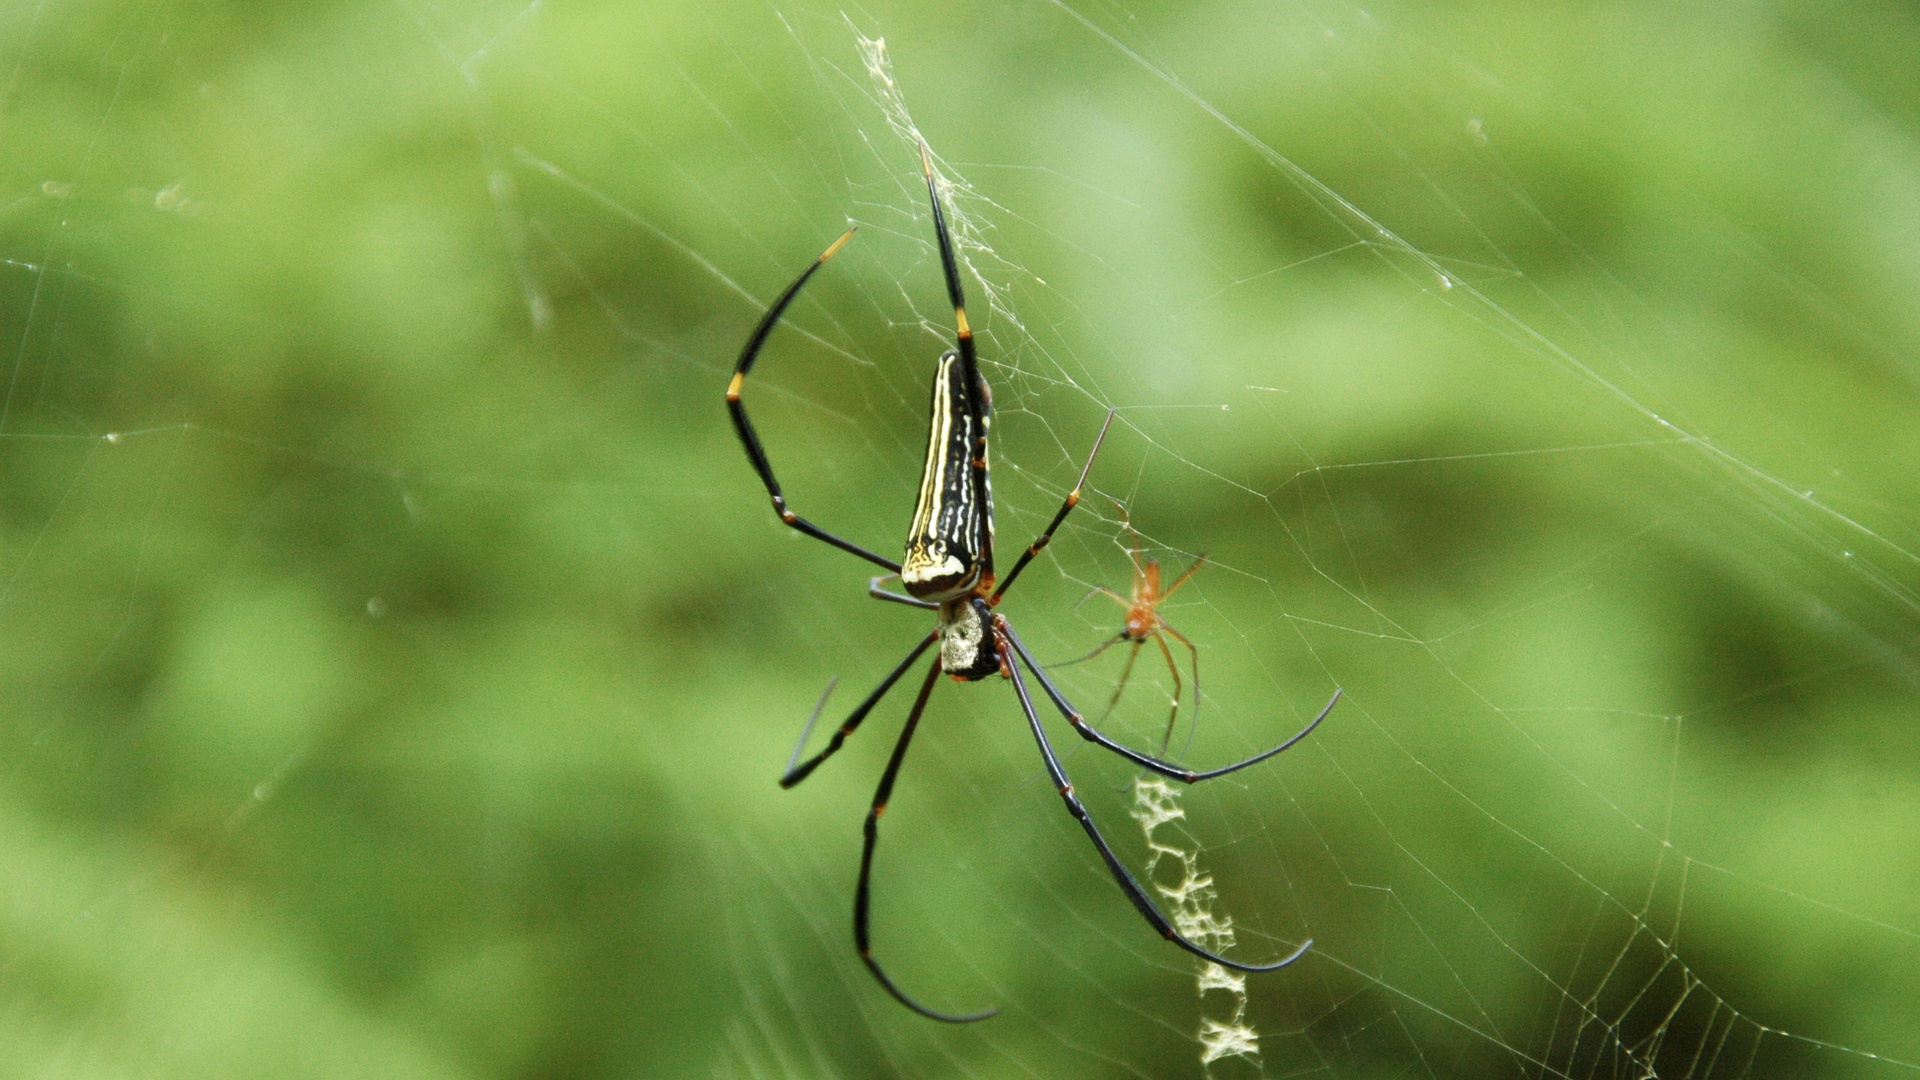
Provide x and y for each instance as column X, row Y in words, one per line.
column 1147, row 761
column 981, row 405
column 751, row 439
column 1128, row 883
column 1046, row 537
column 862, row 937
column 798, row 770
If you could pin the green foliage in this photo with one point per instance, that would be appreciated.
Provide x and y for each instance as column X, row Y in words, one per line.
column 399, row 654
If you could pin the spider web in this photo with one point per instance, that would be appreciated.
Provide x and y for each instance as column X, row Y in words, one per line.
column 400, row 654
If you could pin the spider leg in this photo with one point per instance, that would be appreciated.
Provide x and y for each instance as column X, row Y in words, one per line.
column 1121, row 874
column 1073, row 498
column 806, row 730
column 1097, row 590
column 1174, row 714
column 949, row 266
column 795, row 774
column 1182, row 579
column 1126, row 672
column 874, row 590
column 1187, row 776
column 1103, row 647
column 1182, row 638
column 861, row 894
column 751, row 439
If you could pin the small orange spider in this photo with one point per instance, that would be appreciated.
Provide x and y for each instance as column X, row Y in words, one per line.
column 1143, row 622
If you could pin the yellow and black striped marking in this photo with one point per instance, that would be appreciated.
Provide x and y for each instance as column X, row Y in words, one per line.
column 750, row 439
column 943, row 541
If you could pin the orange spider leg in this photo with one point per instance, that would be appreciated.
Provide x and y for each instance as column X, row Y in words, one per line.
column 1174, row 714
column 1182, row 579
column 1126, row 672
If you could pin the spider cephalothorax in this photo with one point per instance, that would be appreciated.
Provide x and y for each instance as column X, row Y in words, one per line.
column 968, row 650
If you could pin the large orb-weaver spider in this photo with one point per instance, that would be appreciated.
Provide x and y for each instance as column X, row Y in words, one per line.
column 948, row 569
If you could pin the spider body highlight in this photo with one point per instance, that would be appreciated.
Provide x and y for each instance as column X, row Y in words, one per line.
column 948, row 569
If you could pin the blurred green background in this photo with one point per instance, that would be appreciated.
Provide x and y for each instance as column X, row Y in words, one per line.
column 399, row 653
